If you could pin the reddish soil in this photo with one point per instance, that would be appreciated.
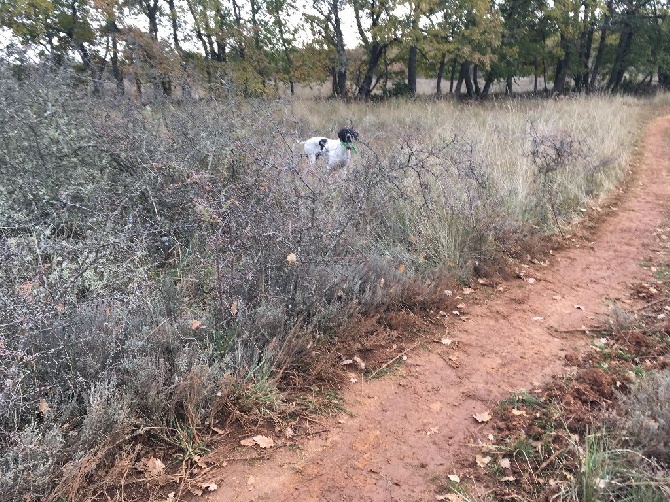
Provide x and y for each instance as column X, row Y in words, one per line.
column 407, row 430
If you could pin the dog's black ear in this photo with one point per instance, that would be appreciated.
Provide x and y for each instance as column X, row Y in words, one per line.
column 322, row 143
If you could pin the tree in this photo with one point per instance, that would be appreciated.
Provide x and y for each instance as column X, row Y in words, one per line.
column 630, row 21
column 415, row 37
column 566, row 16
column 523, row 42
column 284, row 40
column 467, row 32
column 62, row 26
column 378, row 28
column 328, row 26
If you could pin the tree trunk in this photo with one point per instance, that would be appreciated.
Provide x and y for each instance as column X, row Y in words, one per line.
column 663, row 77
column 475, row 80
column 585, row 44
column 601, row 46
column 562, row 66
column 411, row 70
column 116, row 70
column 151, row 11
column 175, row 25
column 619, row 68
column 440, row 72
column 198, row 30
column 375, row 53
column 488, row 82
column 464, row 76
column 452, row 75
column 341, row 70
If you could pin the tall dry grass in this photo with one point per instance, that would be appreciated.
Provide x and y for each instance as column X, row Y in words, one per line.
column 500, row 167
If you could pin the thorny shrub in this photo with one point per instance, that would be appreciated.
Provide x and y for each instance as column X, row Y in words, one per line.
column 158, row 258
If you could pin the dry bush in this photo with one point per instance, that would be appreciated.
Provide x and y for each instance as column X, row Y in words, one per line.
column 646, row 415
column 164, row 264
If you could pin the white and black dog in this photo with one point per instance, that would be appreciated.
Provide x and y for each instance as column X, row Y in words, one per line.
column 336, row 151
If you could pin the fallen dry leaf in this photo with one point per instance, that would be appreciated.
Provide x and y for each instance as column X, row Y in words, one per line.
column 505, row 463
column 151, row 466
column 482, row 461
column 452, row 497
column 359, row 362
column 233, row 308
column 446, row 341
column 291, row 258
column 195, row 324
column 198, row 461
column 519, row 412
column 507, row 479
column 468, row 291
column 482, row 417
column 209, row 486
column 263, row 441
column 454, row 478
column 44, row 406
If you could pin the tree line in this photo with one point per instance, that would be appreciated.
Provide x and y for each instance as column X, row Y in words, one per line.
column 259, row 45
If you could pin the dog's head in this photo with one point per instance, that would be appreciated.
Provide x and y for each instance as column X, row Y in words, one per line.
column 347, row 135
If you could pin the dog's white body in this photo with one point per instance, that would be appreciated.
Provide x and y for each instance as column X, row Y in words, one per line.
column 336, row 155
column 336, row 151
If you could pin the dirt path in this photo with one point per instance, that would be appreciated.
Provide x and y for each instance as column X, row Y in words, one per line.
column 409, row 427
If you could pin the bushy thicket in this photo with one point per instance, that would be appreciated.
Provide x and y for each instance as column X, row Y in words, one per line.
column 157, row 258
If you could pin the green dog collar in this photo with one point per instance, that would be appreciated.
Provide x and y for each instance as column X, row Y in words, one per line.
column 349, row 146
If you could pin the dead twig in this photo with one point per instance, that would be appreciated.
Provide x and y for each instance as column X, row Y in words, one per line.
column 583, row 329
column 391, row 361
column 549, row 460
column 451, row 364
column 651, row 304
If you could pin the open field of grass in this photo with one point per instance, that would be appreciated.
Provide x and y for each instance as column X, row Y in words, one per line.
column 172, row 267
